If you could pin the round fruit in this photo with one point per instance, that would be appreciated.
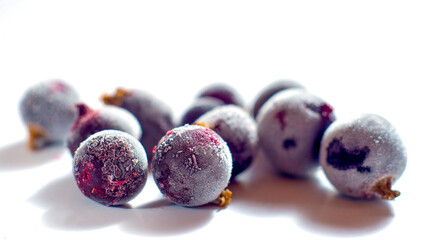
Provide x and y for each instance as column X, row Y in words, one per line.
column 48, row 110
column 363, row 157
column 238, row 129
column 192, row 166
column 107, row 117
column 154, row 116
column 290, row 127
column 110, row 167
column 270, row 90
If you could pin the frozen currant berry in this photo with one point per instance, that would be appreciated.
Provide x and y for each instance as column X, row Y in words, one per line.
column 362, row 157
column 290, row 127
column 48, row 111
column 224, row 92
column 107, row 117
column 192, row 166
column 154, row 116
column 199, row 107
column 238, row 129
column 270, row 90
column 110, row 167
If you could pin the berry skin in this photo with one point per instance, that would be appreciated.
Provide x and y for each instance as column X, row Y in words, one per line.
column 192, row 165
column 363, row 157
column 107, row 117
column 198, row 108
column 48, row 111
column 238, row 129
column 110, row 167
column 154, row 116
column 223, row 92
column 270, row 90
column 290, row 126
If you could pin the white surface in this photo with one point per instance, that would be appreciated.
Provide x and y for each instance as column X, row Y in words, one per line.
column 361, row 56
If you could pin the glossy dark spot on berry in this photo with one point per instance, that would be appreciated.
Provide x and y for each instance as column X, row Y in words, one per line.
column 343, row 159
column 82, row 109
column 364, row 169
column 280, row 116
column 324, row 109
column 289, row 143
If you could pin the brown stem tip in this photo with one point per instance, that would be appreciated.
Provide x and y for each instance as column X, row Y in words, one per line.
column 36, row 134
column 116, row 98
column 224, row 198
column 383, row 188
column 207, row 125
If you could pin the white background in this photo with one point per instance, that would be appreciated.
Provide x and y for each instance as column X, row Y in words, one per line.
column 361, row 56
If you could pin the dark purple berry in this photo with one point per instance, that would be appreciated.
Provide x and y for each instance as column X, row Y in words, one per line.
column 198, row 108
column 48, row 111
column 270, row 90
column 238, row 129
column 362, row 157
column 223, row 92
column 192, row 166
column 290, row 126
column 154, row 116
column 107, row 117
column 110, row 167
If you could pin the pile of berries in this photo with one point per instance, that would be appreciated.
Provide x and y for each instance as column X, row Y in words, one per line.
column 193, row 162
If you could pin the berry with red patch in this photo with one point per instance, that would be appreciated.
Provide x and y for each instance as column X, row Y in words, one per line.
column 110, row 167
column 290, row 126
column 192, row 166
column 91, row 121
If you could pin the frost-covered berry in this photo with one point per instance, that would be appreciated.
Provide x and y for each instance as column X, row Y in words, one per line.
column 192, row 165
column 107, row 117
column 198, row 108
column 238, row 129
column 270, row 90
column 290, row 126
column 223, row 92
column 363, row 157
column 48, row 111
column 154, row 116
column 110, row 167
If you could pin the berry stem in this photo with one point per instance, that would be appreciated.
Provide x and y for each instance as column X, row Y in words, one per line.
column 383, row 188
column 36, row 133
column 224, row 198
column 115, row 99
column 202, row 124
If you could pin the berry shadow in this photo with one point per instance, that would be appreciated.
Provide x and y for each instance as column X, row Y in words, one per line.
column 17, row 156
column 162, row 218
column 66, row 208
column 265, row 193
